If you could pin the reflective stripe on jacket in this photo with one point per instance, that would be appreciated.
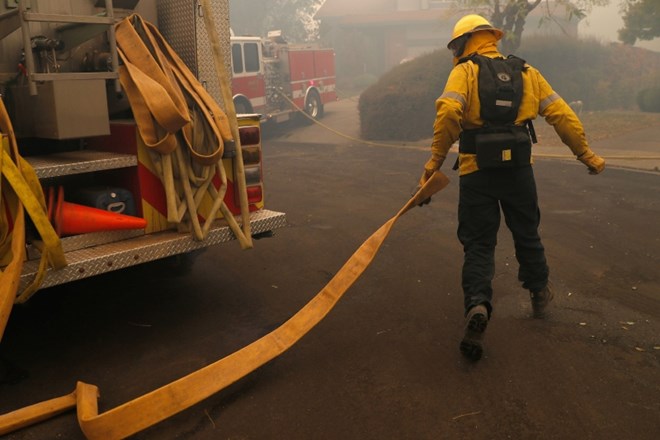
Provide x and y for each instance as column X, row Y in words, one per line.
column 458, row 108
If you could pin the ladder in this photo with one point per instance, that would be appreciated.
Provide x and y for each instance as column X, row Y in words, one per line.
column 33, row 77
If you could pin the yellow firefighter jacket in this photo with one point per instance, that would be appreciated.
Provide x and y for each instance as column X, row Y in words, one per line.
column 458, row 107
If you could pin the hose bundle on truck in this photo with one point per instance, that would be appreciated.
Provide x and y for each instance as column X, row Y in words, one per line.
column 20, row 191
column 181, row 123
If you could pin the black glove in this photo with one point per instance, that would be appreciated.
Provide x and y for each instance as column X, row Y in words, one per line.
column 423, row 202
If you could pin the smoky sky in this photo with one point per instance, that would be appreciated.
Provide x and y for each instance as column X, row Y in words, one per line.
column 603, row 23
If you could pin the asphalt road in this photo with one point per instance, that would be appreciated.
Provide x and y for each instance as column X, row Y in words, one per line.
column 384, row 364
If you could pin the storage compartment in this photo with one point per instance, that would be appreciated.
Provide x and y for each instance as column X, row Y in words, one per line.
column 62, row 109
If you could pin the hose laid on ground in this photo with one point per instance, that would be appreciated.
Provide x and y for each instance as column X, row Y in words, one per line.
column 147, row 410
column 382, row 144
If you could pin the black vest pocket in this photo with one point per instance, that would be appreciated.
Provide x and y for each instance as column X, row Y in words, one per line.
column 503, row 148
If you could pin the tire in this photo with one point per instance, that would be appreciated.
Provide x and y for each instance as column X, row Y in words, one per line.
column 313, row 105
column 242, row 106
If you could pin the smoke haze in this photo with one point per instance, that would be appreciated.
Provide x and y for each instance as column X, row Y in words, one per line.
column 604, row 22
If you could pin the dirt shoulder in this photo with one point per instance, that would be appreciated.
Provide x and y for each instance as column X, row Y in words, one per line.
column 601, row 126
column 624, row 139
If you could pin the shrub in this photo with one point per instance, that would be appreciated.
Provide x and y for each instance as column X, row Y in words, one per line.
column 572, row 67
column 603, row 77
column 401, row 105
column 649, row 100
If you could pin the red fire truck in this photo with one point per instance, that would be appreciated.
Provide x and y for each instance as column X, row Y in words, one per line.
column 277, row 79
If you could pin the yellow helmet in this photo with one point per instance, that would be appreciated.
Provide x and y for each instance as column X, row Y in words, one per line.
column 473, row 23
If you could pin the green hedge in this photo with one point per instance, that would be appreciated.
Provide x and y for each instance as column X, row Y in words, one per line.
column 649, row 100
column 401, row 105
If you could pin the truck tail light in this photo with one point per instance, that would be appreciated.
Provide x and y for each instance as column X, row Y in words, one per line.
column 254, row 194
column 250, row 136
column 253, row 175
column 252, row 155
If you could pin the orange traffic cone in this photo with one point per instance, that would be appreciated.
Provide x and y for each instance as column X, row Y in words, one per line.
column 71, row 219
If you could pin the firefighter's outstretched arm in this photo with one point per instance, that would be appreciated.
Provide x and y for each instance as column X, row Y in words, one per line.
column 447, row 126
column 568, row 126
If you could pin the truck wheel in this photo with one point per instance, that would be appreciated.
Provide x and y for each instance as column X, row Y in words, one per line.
column 313, row 105
column 242, row 106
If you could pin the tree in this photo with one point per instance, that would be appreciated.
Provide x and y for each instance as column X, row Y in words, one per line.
column 511, row 15
column 293, row 17
column 641, row 20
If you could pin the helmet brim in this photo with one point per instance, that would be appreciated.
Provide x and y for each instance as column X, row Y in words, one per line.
column 495, row 31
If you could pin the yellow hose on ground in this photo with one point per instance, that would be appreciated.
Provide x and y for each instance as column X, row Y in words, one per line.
column 147, row 410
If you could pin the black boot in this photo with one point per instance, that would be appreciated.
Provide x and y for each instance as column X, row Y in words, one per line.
column 540, row 301
column 475, row 327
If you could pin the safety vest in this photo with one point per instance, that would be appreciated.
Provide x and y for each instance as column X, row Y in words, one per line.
column 499, row 142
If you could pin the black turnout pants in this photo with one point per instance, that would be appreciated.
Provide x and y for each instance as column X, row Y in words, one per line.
column 482, row 194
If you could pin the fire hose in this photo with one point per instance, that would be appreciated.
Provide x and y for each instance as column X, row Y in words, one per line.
column 20, row 191
column 156, row 406
column 183, row 126
column 145, row 411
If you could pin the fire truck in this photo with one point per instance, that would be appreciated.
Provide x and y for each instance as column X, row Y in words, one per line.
column 126, row 171
column 277, row 79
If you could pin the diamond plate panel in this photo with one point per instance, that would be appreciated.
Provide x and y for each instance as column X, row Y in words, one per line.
column 75, row 242
column 77, row 162
column 176, row 19
column 176, row 22
column 206, row 72
column 108, row 257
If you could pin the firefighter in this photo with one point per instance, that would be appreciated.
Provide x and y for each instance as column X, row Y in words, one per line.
column 487, row 105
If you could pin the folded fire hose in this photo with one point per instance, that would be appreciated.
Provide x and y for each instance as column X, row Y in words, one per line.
column 182, row 126
column 20, row 191
column 156, row 406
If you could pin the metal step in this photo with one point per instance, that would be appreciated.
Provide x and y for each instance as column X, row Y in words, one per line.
column 79, row 162
column 62, row 18
column 83, row 241
column 108, row 257
column 74, row 76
